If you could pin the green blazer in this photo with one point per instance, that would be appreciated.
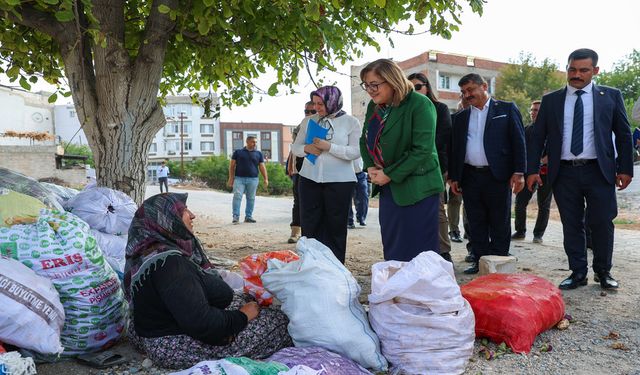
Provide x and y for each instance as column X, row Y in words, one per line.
column 408, row 149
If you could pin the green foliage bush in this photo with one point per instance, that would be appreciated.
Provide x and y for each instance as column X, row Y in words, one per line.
column 75, row 149
column 279, row 182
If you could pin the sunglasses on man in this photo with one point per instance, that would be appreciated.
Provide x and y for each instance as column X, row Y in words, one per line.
column 309, row 111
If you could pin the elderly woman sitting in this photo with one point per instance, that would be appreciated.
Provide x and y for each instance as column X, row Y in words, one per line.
column 183, row 312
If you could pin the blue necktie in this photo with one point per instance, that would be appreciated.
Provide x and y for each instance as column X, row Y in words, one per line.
column 578, row 122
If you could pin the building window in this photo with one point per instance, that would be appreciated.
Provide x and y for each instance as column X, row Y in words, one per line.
column 444, row 82
column 72, row 113
column 206, row 146
column 206, row 128
column 237, row 140
column 187, row 146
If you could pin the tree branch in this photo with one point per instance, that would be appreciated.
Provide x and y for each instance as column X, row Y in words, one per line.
column 42, row 22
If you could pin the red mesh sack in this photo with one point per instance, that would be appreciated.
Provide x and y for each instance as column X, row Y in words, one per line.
column 513, row 308
column 253, row 266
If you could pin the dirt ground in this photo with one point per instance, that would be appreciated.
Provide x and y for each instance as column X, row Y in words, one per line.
column 603, row 338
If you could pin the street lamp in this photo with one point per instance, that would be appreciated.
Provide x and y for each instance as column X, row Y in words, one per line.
column 182, row 117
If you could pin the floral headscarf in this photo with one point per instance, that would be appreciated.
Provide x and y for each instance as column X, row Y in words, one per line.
column 157, row 231
column 331, row 96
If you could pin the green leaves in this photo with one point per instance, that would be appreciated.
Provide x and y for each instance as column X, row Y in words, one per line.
column 64, row 15
column 53, row 97
column 381, row 3
column 163, row 9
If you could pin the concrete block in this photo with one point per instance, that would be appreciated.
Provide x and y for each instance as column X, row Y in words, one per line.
column 497, row 264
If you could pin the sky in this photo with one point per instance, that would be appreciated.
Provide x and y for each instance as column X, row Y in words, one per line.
column 545, row 28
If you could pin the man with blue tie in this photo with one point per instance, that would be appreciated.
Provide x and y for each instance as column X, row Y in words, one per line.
column 488, row 161
column 576, row 123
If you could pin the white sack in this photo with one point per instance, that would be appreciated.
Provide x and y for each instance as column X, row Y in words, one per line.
column 61, row 248
column 105, row 210
column 424, row 324
column 113, row 248
column 31, row 315
column 320, row 297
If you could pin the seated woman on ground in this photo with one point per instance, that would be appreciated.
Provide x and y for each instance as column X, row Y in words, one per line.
column 182, row 310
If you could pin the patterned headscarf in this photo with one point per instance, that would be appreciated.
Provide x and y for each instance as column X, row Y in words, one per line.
column 331, row 96
column 157, row 231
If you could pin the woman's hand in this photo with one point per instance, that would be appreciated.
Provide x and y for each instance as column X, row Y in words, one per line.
column 312, row 149
column 322, row 144
column 379, row 178
column 251, row 310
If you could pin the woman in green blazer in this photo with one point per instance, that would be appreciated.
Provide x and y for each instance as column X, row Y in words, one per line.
column 398, row 150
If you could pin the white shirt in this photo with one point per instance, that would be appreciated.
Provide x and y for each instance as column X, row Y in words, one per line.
column 163, row 171
column 588, row 145
column 335, row 165
column 475, row 136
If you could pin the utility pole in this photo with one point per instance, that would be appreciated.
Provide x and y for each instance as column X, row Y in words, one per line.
column 182, row 117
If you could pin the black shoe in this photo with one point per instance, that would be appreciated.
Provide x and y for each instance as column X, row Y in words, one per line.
column 518, row 236
column 470, row 258
column 537, row 239
column 473, row 269
column 249, row 220
column 605, row 280
column 351, row 226
column 573, row 281
column 455, row 237
column 362, row 224
column 446, row 256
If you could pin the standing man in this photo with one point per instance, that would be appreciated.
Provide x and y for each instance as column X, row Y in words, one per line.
column 360, row 196
column 243, row 176
column 577, row 123
column 543, row 196
column 163, row 176
column 294, row 164
column 488, row 161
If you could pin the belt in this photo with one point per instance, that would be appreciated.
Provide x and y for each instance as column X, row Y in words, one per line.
column 578, row 162
column 477, row 168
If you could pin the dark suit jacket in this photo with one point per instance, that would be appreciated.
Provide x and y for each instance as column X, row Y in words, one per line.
column 443, row 134
column 504, row 143
column 609, row 116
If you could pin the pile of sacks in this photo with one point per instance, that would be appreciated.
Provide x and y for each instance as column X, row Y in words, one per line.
column 58, row 295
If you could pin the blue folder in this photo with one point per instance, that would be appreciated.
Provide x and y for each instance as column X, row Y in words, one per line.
column 314, row 130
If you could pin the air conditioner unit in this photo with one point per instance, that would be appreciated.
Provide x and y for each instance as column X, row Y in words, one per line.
column 171, row 152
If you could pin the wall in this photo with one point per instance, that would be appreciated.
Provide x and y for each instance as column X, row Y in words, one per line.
column 38, row 162
column 25, row 112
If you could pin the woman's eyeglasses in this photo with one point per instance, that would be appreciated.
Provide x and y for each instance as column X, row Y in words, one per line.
column 310, row 111
column 419, row 86
column 371, row 86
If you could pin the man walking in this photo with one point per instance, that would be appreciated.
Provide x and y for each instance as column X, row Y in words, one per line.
column 243, row 176
column 577, row 123
column 163, row 177
column 360, row 196
column 543, row 195
column 488, row 161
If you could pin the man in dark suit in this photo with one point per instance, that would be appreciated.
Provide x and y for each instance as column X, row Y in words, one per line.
column 488, row 160
column 577, row 123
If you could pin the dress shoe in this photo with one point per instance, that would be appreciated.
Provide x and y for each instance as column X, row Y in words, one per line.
column 446, row 256
column 518, row 236
column 605, row 280
column 455, row 237
column 473, row 269
column 362, row 223
column 573, row 281
column 351, row 226
column 249, row 220
column 470, row 258
column 537, row 239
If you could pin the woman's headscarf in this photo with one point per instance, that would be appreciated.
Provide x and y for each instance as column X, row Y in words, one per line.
column 157, row 231
column 331, row 96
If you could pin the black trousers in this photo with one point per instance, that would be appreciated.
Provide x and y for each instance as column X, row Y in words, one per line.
column 575, row 186
column 488, row 206
column 544, row 205
column 163, row 181
column 324, row 208
column 295, row 210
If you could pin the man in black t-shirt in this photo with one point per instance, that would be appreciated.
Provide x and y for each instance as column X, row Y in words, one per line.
column 243, row 177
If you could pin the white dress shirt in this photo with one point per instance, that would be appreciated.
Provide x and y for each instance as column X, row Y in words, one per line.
column 475, row 136
column 163, row 171
column 635, row 112
column 588, row 145
column 335, row 165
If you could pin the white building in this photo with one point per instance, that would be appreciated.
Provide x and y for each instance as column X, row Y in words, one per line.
column 24, row 112
column 185, row 121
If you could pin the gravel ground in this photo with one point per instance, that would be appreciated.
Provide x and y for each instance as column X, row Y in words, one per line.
column 603, row 338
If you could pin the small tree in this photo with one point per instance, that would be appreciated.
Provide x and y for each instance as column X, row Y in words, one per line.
column 625, row 76
column 525, row 80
